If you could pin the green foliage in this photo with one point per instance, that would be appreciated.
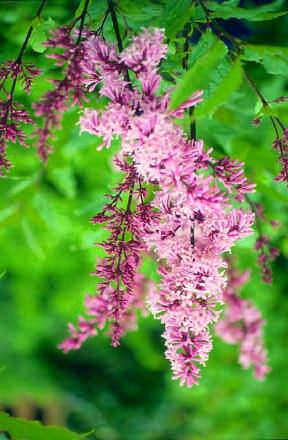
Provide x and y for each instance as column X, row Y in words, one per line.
column 201, row 72
column 277, row 109
column 41, row 29
column 230, row 9
column 175, row 14
column 274, row 59
column 21, row 429
column 220, row 90
column 48, row 245
column 80, row 8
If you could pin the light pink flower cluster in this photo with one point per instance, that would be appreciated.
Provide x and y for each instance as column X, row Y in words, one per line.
column 242, row 324
column 196, row 221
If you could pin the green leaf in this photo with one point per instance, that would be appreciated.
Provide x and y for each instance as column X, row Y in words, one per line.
column 273, row 58
column 229, row 9
column 204, row 45
column 20, row 429
column 221, row 92
column 174, row 16
column 8, row 212
column 40, row 33
column 140, row 12
column 64, row 180
column 200, row 74
column 20, row 186
column 80, row 8
column 32, row 240
column 277, row 109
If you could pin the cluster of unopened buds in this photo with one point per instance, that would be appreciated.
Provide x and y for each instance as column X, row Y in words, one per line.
column 12, row 114
column 281, row 146
column 266, row 252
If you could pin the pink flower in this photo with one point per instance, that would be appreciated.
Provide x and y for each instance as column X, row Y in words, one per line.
column 188, row 225
column 146, row 51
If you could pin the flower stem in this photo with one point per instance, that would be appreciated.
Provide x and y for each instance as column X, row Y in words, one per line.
column 82, row 20
column 111, row 7
column 115, row 24
column 186, row 31
column 29, row 32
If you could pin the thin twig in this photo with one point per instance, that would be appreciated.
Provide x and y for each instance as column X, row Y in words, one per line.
column 116, row 28
column 29, row 32
column 82, row 20
column 23, row 48
column 186, row 31
column 115, row 24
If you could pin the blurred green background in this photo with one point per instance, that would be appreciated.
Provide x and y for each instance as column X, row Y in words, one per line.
column 48, row 251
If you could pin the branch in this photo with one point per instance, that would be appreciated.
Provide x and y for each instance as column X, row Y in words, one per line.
column 186, row 31
column 115, row 24
column 82, row 20
column 29, row 32
column 23, row 47
column 111, row 7
column 237, row 48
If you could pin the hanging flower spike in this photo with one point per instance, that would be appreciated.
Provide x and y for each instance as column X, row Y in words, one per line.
column 242, row 324
column 281, row 145
column 121, row 289
column 12, row 114
column 66, row 91
column 195, row 221
column 266, row 252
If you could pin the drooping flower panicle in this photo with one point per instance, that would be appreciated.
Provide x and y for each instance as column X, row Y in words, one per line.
column 12, row 114
column 266, row 252
column 66, row 91
column 195, row 222
column 242, row 324
column 281, row 146
column 120, row 289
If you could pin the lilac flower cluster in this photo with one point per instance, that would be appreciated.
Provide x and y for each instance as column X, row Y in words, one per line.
column 266, row 252
column 231, row 174
column 69, row 53
column 242, row 324
column 12, row 114
column 121, row 288
column 281, row 146
column 196, row 221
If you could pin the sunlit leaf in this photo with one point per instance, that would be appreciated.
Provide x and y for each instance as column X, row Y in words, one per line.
column 21, row 429
column 32, row 240
column 175, row 15
column 199, row 75
column 221, row 91
column 273, row 58
column 230, row 9
column 40, row 34
column 64, row 180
